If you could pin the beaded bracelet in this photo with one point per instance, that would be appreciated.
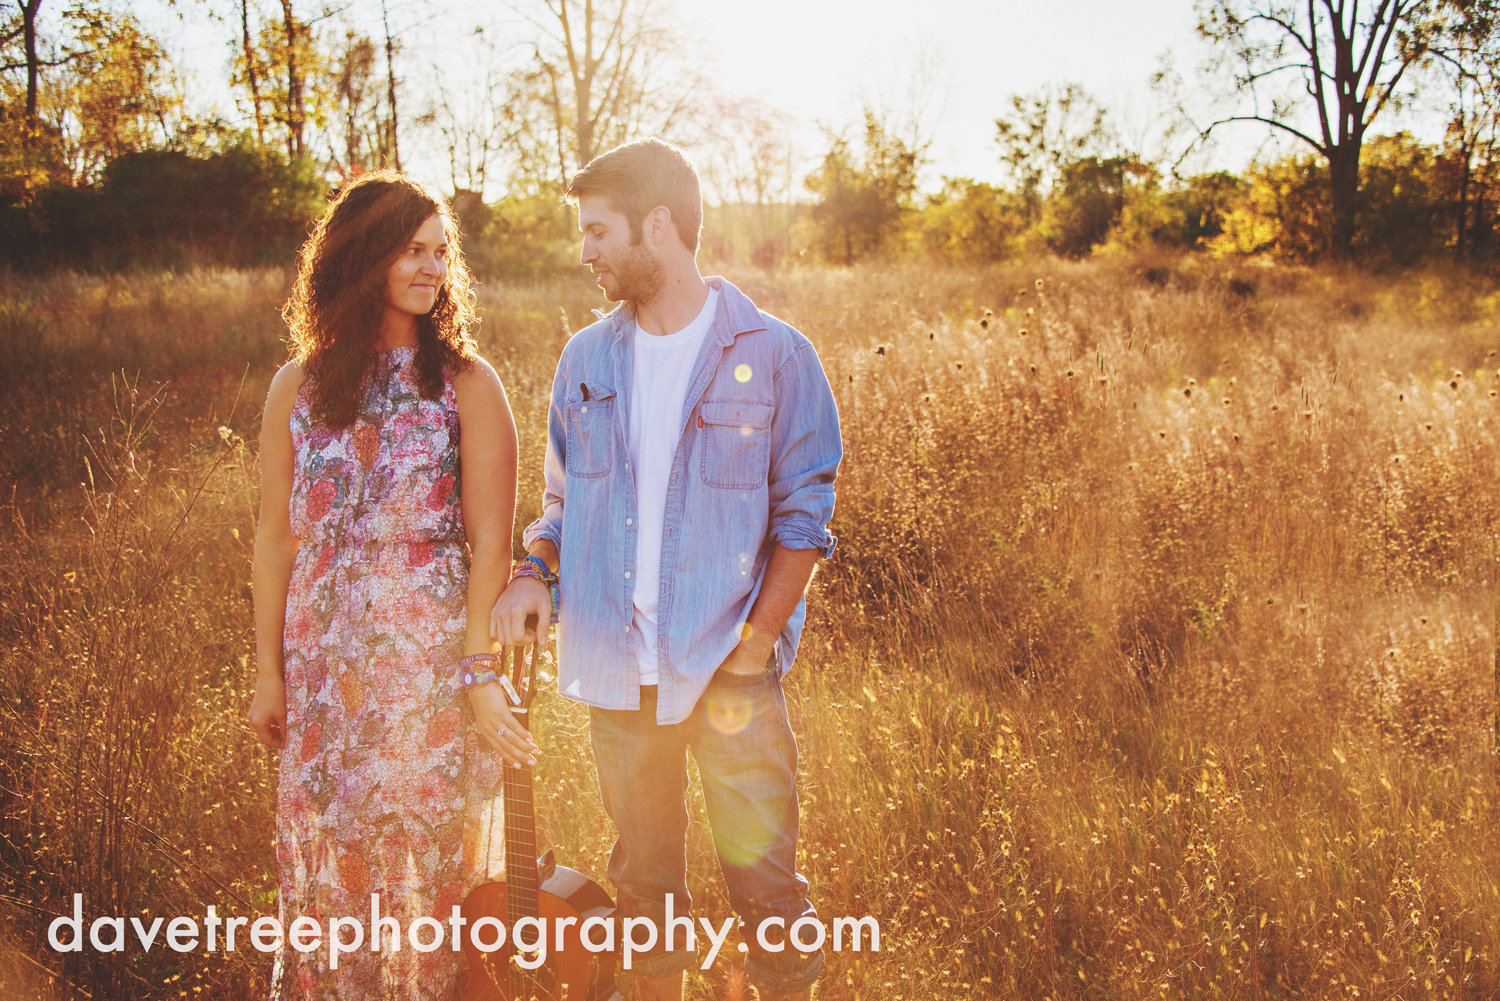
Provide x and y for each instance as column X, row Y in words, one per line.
column 471, row 677
column 536, row 568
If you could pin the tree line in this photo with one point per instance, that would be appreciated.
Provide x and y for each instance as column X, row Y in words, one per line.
column 105, row 163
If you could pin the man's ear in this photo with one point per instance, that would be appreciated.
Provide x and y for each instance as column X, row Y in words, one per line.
column 659, row 224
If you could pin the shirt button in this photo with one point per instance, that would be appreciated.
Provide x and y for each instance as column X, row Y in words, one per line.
column 627, row 574
column 629, row 522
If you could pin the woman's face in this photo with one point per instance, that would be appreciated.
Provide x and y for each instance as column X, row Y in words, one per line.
column 412, row 283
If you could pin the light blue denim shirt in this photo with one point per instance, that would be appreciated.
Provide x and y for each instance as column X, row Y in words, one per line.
column 755, row 465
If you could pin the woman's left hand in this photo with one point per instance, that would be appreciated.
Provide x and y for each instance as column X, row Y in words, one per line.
column 499, row 727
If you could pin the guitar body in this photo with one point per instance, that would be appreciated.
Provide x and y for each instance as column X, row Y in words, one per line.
column 571, row 972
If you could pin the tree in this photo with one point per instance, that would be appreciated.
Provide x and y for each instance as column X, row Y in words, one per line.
column 1046, row 130
column 1086, row 202
column 973, row 222
column 358, row 142
column 287, row 71
column 747, row 172
column 603, row 72
column 1322, row 72
column 862, row 199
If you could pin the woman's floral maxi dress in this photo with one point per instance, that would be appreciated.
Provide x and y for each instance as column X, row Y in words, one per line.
column 384, row 788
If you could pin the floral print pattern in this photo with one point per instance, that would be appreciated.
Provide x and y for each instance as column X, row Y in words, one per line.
column 384, row 785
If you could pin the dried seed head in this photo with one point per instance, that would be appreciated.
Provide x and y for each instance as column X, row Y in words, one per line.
column 1038, row 284
column 1188, row 392
column 880, row 350
column 1023, row 331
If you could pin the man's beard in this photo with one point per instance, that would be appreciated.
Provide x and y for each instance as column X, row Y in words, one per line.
column 638, row 276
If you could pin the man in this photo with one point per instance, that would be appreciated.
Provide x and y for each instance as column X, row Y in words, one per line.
column 692, row 447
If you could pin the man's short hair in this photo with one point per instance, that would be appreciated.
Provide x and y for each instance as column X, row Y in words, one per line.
column 639, row 176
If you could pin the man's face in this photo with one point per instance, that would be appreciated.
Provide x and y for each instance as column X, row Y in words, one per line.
column 625, row 271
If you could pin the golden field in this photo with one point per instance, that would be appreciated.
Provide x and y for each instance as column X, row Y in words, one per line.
column 1156, row 660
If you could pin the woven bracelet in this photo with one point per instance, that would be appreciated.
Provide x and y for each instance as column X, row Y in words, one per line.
column 471, row 676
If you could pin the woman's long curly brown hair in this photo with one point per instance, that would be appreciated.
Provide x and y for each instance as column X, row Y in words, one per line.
column 338, row 300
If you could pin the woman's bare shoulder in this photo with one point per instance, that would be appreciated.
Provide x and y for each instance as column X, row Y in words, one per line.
column 478, row 380
column 285, row 386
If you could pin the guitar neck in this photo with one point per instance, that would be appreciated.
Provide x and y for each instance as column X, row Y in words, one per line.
column 520, row 841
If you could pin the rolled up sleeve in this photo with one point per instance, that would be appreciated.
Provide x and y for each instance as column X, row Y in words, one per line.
column 549, row 526
column 806, row 448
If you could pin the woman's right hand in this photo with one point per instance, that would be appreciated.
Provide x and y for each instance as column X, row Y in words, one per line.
column 499, row 727
column 268, row 711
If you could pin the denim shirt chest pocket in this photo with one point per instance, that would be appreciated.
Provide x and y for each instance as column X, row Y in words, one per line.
column 591, row 430
column 735, row 443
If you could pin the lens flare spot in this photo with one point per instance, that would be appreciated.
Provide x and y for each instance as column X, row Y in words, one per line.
column 742, row 373
column 729, row 714
column 746, row 431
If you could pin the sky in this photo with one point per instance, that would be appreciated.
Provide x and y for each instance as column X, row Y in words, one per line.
column 822, row 60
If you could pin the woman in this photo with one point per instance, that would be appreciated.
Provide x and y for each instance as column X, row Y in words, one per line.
column 387, row 445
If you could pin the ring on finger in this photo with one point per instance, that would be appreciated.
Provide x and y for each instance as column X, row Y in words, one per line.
column 502, row 732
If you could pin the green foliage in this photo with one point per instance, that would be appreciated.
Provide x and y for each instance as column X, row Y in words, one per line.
column 244, row 206
column 1286, row 211
column 1399, row 218
column 1185, row 215
column 1086, row 203
column 972, row 221
column 863, row 199
column 530, row 236
column 1401, row 215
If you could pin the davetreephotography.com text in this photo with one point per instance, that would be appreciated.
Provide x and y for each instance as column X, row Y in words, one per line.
column 529, row 937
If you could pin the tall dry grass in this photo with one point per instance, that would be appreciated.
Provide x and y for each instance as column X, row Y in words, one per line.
column 1155, row 661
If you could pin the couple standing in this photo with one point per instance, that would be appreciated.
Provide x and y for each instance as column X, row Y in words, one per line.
column 692, row 447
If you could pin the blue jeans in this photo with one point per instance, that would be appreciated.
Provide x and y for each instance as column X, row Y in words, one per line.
column 747, row 757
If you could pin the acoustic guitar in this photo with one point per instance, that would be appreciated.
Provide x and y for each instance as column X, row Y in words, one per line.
column 535, row 888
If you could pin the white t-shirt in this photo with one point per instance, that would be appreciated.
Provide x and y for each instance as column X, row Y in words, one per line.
column 658, row 390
